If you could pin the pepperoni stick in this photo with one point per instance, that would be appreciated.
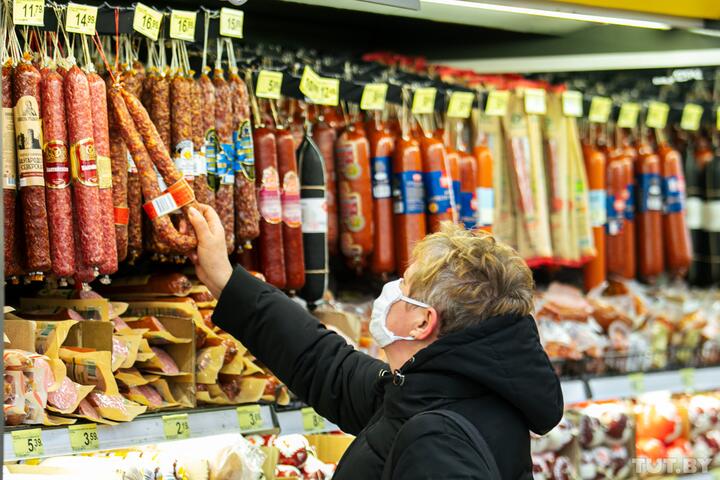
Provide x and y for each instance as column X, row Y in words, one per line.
column 119, row 168
column 13, row 264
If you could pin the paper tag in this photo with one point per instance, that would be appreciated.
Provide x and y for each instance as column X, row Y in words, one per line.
column 687, row 375
column 691, row 116
column 497, row 103
column 535, row 103
column 310, row 83
column 600, row 108
column 329, row 91
column 628, row 116
column 231, row 22
column 176, row 426
column 121, row 215
column 84, row 437
column 637, row 382
column 249, row 418
column 269, row 84
column 373, row 96
column 29, row 12
column 175, row 197
column 81, row 19
column 572, row 103
column 460, row 104
column 314, row 215
column 147, row 21
column 657, row 115
column 312, row 422
column 27, row 443
column 424, row 101
column 182, row 25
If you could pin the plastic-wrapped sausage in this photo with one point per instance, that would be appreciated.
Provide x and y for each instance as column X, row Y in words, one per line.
column 435, row 177
column 382, row 144
column 595, row 271
column 119, row 168
column 484, row 193
column 57, row 174
column 13, row 264
column 291, row 211
column 101, row 135
column 224, row 197
column 28, row 132
column 618, row 177
column 324, row 137
column 408, row 200
column 468, row 187
column 205, row 184
column 697, row 157
column 678, row 248
column 649, row 212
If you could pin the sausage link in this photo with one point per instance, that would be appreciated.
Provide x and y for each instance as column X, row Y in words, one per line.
column 160, row 108
column 181, row 127
column 291, row 211
column 206, row 184
column 28, row 131
column 435, row 177
column 200, row 185
column 325, row 136
column 382, row 145
column 101, row 134
column 468, row 184
column 649, row 214
column 595, row 271
column 138, row 86
column 408, row 200
column 678, row 248
column 57, row 174
column 484, row 193
column 119, row 168
column 240, row 98
column 618, row 178
column 247, row 216
column 224, row 197
column 13, row 263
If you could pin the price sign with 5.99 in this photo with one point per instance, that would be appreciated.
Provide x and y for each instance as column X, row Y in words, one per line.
column 269, row 84
column 312, row 422
column 84, row 437
column 147, row 21
column 231, row 22
column 373, row 96
column 182, row 25
column 81, row 19
column 249, row 418
column 176, row 426
column 27, row 443
column 29, row 12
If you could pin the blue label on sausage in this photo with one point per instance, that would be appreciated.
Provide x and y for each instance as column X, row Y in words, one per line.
column 457, row 195
column 614, row 217
column 673, row 192
column 381, row 177
column 468, row 209
column 437, row 193
column 244, row 151
column 649, row 192
column 630, row 203
column 225, row 158
column 408, row 193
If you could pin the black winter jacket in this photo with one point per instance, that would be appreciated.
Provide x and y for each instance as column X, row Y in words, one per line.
column 496, row 374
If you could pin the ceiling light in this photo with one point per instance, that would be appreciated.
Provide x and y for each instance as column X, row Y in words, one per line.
column 628, row 22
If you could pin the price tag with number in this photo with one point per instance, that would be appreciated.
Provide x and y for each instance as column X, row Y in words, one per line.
column 182, row 25
column 310, row 83
column 424, row 101
column 600, row 108
column 84, row 437
column 687, row 375
column 231, row 22
column 249, row 418
column 81, row 19
column 628, row 116
column 460, row 104
column 497, row 103
column 535, row 103
column 637, row 382
column 572, row 103
column 312, row 422
column 27, row 443
column 691, row 116
column 657, row 115
column 373, row 96
column 29, row 12
column 176, row 426
column 329, row 91
column 269, row 84
column 147, row 21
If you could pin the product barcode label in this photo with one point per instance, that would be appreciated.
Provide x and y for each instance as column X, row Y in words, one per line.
column 314, row 215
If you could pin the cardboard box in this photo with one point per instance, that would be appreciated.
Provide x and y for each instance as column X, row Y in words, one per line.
column 347, row 323
column 20, row 333
column 330, row 447
column 89, row 309
column 95, row 335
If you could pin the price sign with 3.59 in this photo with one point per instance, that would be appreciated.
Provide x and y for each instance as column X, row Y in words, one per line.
column 147, row 21
column 27, row 443
column 249, row 418
column 84, row 437
column 231, row 22
column 312, row 422
column 182, row 25
column 176, row 426
column 29, row 12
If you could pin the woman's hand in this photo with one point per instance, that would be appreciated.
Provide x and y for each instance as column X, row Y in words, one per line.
column 211, row 261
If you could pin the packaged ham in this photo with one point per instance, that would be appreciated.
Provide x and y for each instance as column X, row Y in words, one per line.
column 90, row 367
column 148, row 322
column 160, row 284
column 115, row 407
column 86, row 409
column 68, row 397
column 208, row 362
column 162, row 363
column 145, row 395
column 120, row 324
column 120, row 352
column 14, row 406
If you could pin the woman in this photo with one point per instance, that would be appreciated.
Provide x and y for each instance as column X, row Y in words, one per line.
column 458, row 336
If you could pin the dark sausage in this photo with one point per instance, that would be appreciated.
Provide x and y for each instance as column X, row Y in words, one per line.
column 181, row 127
column 324, row 136
column 119, row 167
column 138, row 86
column 204, row 187
column 291, row 211
column 13, row 263
column 160, row 108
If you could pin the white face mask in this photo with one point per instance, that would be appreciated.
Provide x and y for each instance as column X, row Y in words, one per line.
column 390, row 294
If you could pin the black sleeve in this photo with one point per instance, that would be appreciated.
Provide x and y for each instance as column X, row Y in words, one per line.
column 428, row 448
column 317, row 364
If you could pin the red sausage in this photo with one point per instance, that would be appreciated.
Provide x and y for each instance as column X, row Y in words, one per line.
column 57, row 174
column 595, row 271
column 291, row 211
column 649, row 212
column 618, row 177
column 13, row 263
column 408, row 200
column 325, row 136
column 678, row 248
column 468, row 188
column 437, row 183
column 382, row 145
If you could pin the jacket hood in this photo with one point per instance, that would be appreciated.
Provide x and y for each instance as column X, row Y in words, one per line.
column 502, row 356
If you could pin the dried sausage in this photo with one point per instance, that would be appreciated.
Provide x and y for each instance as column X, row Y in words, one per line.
column 224, row 197
column 205, row 184
column 119, row 168
column 711, row 217
column 595, row 271
column 678, row 249
column 437, row 186
column 57, row 174
column 408, row 200
column 324, row 137
column 382, row 144
column 28, row 131
column 355, row 194
column 101, row 135
column 272, row 252
column 649, row 213
column 13, row 264
column 181, row 127
column 138, row 86
column 291, row 211
column 468, row 186
column 484, row 194
column 160, row 108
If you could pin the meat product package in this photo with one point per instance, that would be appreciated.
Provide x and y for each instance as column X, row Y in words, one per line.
column 14, row 405
column 291, row 211
column 408, row 200
column 68, row 397
column 156, row 285
column 156, row 332
column 595, row 270
column 115, row 407
column 50, row 335
column 154, row 396
column 208, row 363
column 90, row 367
column 678, row 246
column 579, row 194
column 162, row 363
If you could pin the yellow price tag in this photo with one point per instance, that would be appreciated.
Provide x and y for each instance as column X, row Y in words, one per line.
column 535, row 103
column 572, row 103
column 269, row 84
column 231, row 22
column 628, row 116
column 687, row 375
column 329, row 91
column 460, row 104
column 27, row 443
column 497, row 103
column 637, row 382
column 600, row 108
column 84, row 437
column 182, row 25
column 657, row 115
column 312, row 422
column 176, row 426
column 81, row 19
column 310, row 83
column 249, row 418
column 424, row 100
column 691, row 116
column 373, row 96
column 29, row 12
column 147, row 21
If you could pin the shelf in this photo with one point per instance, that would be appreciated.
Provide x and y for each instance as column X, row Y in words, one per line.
column 304, row 421
column 676, row 381
column 573, row 391
column 148, row 429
